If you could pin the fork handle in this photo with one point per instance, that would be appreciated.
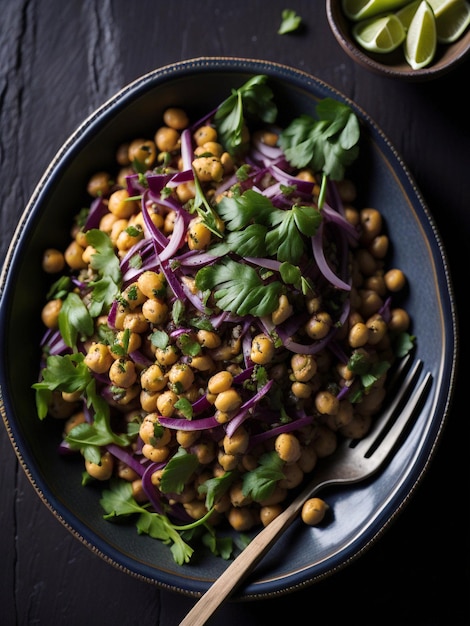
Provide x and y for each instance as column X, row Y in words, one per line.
column 247, row 560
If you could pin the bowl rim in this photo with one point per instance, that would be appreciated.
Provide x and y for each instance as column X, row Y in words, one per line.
column 121, row 98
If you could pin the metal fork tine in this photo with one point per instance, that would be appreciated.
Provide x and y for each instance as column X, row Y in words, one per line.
column 388, row 437
column 385, row 419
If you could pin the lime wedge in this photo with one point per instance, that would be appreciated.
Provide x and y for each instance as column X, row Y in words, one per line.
column 452, row 19
column 356, row 10
column 405, row 15
column 380, row 34
column 421, row 38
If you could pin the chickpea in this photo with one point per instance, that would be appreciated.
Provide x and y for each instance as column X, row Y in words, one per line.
column 371, row 223
column 153, row 378
column 157, row 455
column 262, row 349
column 371, row 302
column 304, row 367
column 175, row 117
column 237, row 443
column 125, row 341
column 129, row 237
column 202, row 363
column 155, row 311
column 326, row 403
column 195, row 509
column 379, row 246
column 313, row 511
column 377, row 329
column 241, row 519
column 50, row 313
column 357, row 427
column 122, row 373
column 228, row 400
column 107, row 222
column 283, row 311
column 102, row 470
column 293, row 476
column 301, row 390
column 74, row 256
column 186, row 438
column 325, row 441
column 308, row 459
column 199, row 235
column 138, row 492
column 205, row 451
column 148, row 400
column 268, row 513
column 366, row 262
column 288, row 447
column 99, row 184
column 181, row 377
column 395, row 280
column 136, row 322
column 119, row 225
column 166, row 403
column 205, row 134
column 278, row 495
column 208, row 168
column 53, row 261
column 186, row 191
column 358, row 335
column 121, row 205
column 319, row 325
column 208, row 339
column 167, row 139
column 342, row 417
column 74, row 420
column 237, row 497
column 152, row 284
column 153, row 433
column 220, row 382
column 98, row 358
column 399, row 320
column 143, row 151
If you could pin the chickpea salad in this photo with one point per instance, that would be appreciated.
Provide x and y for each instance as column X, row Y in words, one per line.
column 222, row 316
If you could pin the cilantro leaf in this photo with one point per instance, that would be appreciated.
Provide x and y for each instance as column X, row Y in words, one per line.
column 254, row 98
column 247, row 242
column 238, row 211
column 214, row 488
column 327, row 144
column 106, row 263
column 286, row 241
column 238, row 288
column 119, row 502
column 74, row 320
column 177, row 471
column 261, row 482
column 290, row 22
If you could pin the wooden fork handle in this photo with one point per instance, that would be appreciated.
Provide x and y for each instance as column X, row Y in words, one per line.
column 246, row 561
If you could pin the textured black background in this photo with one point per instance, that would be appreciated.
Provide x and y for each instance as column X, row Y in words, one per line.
column 58, row 61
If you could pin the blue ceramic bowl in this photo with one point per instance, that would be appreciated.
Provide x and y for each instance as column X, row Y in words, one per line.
column 361, row 513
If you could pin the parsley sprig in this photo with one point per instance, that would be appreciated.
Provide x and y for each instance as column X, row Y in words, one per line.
column 253, row 99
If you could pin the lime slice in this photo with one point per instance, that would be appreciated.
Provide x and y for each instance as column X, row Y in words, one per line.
column 356, row 10
column 379, row 34
column 452, row 19
column 406, row 14
column 421, row 38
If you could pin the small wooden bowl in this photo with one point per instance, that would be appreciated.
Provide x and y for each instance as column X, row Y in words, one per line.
column 393, row 64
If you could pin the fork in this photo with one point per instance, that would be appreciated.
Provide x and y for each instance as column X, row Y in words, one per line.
column 352, row 462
